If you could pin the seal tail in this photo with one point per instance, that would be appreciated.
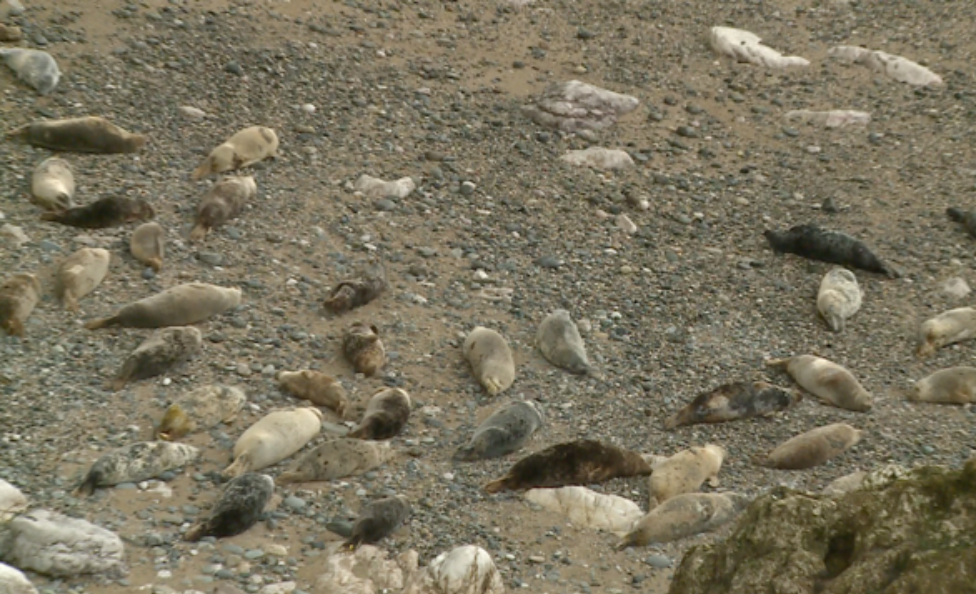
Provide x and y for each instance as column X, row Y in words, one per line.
column 955, row 214
column 51, row 216
column 352, row 544
column 101, row 322
column 13, row 327
column 625, row 542
column 238, row 467
column 288, row 477
column 464, row 454
column 195, row 533
column 19, row 133
column 88, row 485
column 199, row 232
column 778, row 363
column 497, row 485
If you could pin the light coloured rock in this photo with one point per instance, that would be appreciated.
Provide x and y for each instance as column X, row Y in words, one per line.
column 956, row 287
column 12, row 501
column 598, row 158
column 845, row 484
column 367, row 570
column 374, row 187
column 37, row 68
column 12, row 581
column 576, row 106
column 625, row 224
column 53, row 544
column 834, row 118
column 466, row 569
column 192, row 113
column 13, row 235
column 867, row 481
column 279, row 588
column 588, row 508
column 744, row 46
column 896, row 67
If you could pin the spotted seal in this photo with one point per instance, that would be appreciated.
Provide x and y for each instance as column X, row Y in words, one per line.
column 239, row 507
column 200, row 409
column 136, row 462
column 503, row 432
column 733, row 401
column 164, row 349
column 189, row 303
column 832, row 383
column 386, row 415
column 337, row 458
column 363, row 348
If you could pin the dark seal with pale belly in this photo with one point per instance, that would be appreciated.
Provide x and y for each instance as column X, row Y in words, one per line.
column 733, row 401
column 812, row 242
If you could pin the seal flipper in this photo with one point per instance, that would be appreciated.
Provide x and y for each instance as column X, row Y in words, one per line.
column 102, row 322
column 238, row 467
column 89, row 484
column 499, row 485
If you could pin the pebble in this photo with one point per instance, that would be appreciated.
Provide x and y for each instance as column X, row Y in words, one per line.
column 956, row 287
column 308, row 108
column 627, row 225
column 192, row 113
column 658, row 561
column 551, row 262
column 253, row 554
column 294, row 503
column 14, row 235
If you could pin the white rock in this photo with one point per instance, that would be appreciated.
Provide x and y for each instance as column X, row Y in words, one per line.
column 744, row 46
column 193, row 113
column 12, row 581
column 845, row 484
column 374, row 187
column 53, row 544
column 835, row 118
column 14, row 8
column 466, row 569
column 35, row 67
column 279, row 588
column 896, row 67
column 14, row 235
column 308, row 108
column 12, row 501
column 367, row 570
column 575, row 106
column 599, row 158
column 956, row 287
column 627, row 225
column 589, row 508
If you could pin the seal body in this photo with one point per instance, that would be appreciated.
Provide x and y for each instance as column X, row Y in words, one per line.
column 101, row 214
column 491, row 359
column 386, row 415
column 224, row 201
column 148, row 245
column 239, row 507
column 585, row 507
column 19, row 295
column 950, row 327
column 200, row 409
column 273, row 438
column 177, row 306
column 316, row 387
column 814, row 447
column 337, row 458
column 163, row 350
column 839, row 297
column 137, row 462
column 684, row 516
column 363, row 348
column 955, row 385
column 966, row 217
column 35, row 67
column 356, row 292
column 243, row 149
column 828, row 381
column 733, row 401
column 91, row 134
column 53, row 184
column 504, row 432
column 80, row 274
column 560, row 342
column 685, row 472
column 582, row 462
column 378, row 520
column 812, row 242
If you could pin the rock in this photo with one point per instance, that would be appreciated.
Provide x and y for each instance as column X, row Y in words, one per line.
column 13, row 235
column 279, row 588
column 956, row 287
column 835, row 118
column 37, row 68
column 367, row 570
column 744, row 46
column 575, row 106
column 53, row 544
column 192, row 113
column 376, row 188
column 466, row 569
column 10, row 33
column 589, row 508
column 896, row 67
column 627, row 225
column 598, row 158
column 12, row 581
column 12, row 501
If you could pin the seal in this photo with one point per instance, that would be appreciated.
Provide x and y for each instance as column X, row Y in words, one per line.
column 177, row 306
column 356, row 292
column 35, row 67
column 828, row 381
column 80, row 274
column 734, row 401
column 163, row 350
column 91, row 134
column 684, row 516
column 243, row 149
column 10, row 33
column 503, row 432
column 560, row 342
column 955, row 385
column 685, row 472
column 101, row 214
column 53, row 184
column 950, row 327
column 239, row 507
column 337, row 458
column 224, row 201
column 491, row 359
column 811, row 242
column 136, row 462
column 148, row 245
column 386, row 415
column 363, row 348
column 376, row 521
column 966, row 217
column 814, row 447
column 199, row 410
column 316, row 387
column 581, row 462
column 839, row 297
column 273, row 438
column 588, row 508
column 18, row 296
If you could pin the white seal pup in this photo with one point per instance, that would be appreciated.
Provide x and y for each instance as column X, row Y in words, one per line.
column 200, row 409
column 588, row 508
column 337, row 458
column 955, row 385
column 53, row 184
column 80, row 274
column 244, row 148
column 177, row 306
column 239, row 507
column 814, row 447
column 685, row 472
column 148, row 245
column 35, row 67
column 273, row 438
column 839, row 297
column 950, row 327
column 503, row 432
column 560, row 342
column 828, row 381
column 12, row 580
column 491, row 359
column 684, row 516
column 163, row 350
column 136, row 462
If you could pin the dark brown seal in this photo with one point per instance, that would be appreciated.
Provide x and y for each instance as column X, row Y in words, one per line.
column 239, row 507
column 733, row 401
column 160, row 352
column 363, row 348
column 966, row 217
column 812, row 242
column 91, row 134
column 378, row 520
column 107, row 212
column 356, row 292
column 386, row 415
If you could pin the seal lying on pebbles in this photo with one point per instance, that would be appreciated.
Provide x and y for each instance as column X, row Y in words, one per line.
column 966, row 217
column 955, row 385
column 581, row 462
column 560, row 342
column 53, row 184
column 377, row 520
column 352, row 293
column 136, row 462
column 337, row 458
column 243, row 149
column 505, row 431
column 177, row 306
column 386, row 415
column 588, row 508
column 685, row 472
column 104, row 213
column 12, row 580
column 273, row 438
column 839, row 297
column 814, row 447
column 812, row 242
column 239, row 507
column 200, row 409
column 91, row 134
column 316, row 387
column 19, row 295
column 35, row 67
column 950, row 327
column 684, row 516
column 491, row 359
column 828, row 381
column 363, row 348
column 733, row 401
column 148, row 245
column 163, row 350
column 224, row 201
column 80, row 274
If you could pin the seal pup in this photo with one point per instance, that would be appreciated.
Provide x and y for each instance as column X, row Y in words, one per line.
column 239, row 507
column 581, row 462
column 560, row 342
column 839, row 297
column 386, row 415
column 363, row 348
column 163, row 350
column 35, row 67
column 588, row 508
column 273, row 438
column 224, row 201
column 954, row 385
column 491, row 359
column 148, row 245
column 949, row 327
column 91, row 134
column 966, row 217
column 813, row 448
column 177, row 306
column 337, row 458
column 136, row 462
column 53, row 184
column 812, row 242
column 101, row 214
column 733, row 401
column 356, row 292
column 80, row 274
column 243, row 149
column 376, row 521
column 19, row 295
column 828, row 381
column 684, row 516
column 200, row 409
column 685, row 472
column 505, row 431
column 316, row 387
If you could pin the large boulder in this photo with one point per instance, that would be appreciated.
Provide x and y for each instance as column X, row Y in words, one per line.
column 894, row 535
column 53, row 544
